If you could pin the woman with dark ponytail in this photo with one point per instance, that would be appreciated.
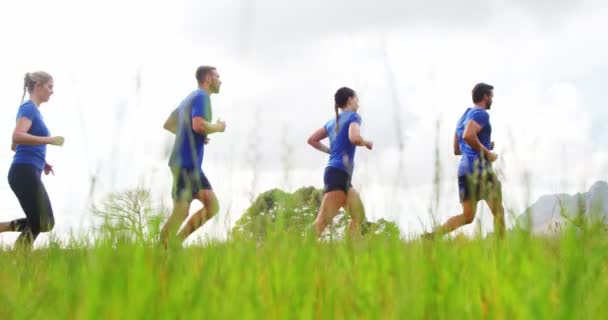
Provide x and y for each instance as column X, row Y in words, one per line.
column 30, row 138
column 344, row 136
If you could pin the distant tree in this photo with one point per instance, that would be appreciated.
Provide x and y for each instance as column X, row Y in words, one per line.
column 382, row 227
column 293, row 212
column 279, row 211
column 128, row 216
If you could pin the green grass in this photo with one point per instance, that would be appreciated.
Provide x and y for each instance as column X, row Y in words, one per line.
column 522, row 277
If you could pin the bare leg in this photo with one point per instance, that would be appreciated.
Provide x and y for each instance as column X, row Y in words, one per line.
column 354, row 206
column 469, row 208
column 5, row 227
column 180, row 212
column 14, row 226
column 331, row 204
column 210, row 209
column 494, row 201
column 498, row 211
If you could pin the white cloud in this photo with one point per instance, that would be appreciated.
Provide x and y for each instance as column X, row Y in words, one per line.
column 281, row 65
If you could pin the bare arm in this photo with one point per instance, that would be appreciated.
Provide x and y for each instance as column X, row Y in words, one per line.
column 315, row 140
column 171, row 122
column 13, row 146
column 456, row 145
column 354, row 135
column 470, row 137
column 20, row 135
column 202, row 126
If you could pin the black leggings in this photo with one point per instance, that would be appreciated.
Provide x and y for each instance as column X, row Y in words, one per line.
column 25, row 182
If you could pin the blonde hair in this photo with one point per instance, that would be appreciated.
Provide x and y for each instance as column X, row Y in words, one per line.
column 31, row 79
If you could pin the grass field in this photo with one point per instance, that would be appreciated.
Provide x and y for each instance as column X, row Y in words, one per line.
column 521, row 277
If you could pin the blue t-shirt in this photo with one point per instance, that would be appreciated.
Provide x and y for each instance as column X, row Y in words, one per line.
column 34, row 155
column 189, row 146
column 342, row 151
column 471, row 161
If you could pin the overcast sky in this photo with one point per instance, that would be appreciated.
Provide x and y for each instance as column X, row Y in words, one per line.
column 120, row 67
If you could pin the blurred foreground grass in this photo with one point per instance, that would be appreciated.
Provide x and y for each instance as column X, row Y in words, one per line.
column 288, row 277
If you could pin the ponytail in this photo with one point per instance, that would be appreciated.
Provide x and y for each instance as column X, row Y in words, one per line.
column 26, row 85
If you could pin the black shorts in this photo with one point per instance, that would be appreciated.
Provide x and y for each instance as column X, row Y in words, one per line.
column 188, row 182
column 336, row 179
column 480, row 186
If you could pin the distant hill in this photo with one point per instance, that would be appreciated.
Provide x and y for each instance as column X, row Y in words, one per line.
column 546, row 214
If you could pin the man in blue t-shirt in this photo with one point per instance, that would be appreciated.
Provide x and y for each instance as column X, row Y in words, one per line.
column 476, row 179
column 191, row 124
